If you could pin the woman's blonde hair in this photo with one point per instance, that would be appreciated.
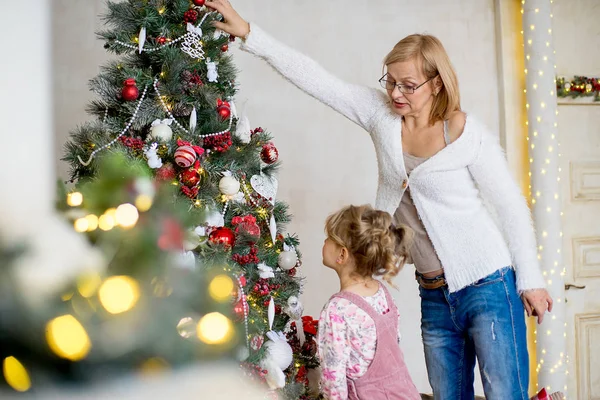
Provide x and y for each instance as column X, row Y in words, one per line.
column 431, row 57
column 378, row 247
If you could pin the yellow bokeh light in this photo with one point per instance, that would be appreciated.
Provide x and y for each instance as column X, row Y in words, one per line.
column 92, row 222
column 16, row 375
column 67, row 338
column 220, row 288
column 215, row 328
column 88, row 284
column 153, row 366
column 126, row 215
column 143, row 202
column 119, row 294
column 81, row 224
column 74, row 199
column 106, row 222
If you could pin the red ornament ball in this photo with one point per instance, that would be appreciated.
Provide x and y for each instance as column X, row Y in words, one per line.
column 199, row 3
column 130, row 92
column 190, row 177
column 185, row 156
column 224, row 48
column 292, row 272
column 238, row 308
column 161, row 40
column 223, row 236
column 166, row 172
column 269, row 153
column 224, row 111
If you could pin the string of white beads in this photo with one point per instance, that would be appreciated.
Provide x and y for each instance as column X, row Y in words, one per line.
column 152, row 49
column 245, row 306
column 164, row 105
column 131, row 120
column 247, row 193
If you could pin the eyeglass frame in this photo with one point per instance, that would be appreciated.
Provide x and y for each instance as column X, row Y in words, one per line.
column 400, row 86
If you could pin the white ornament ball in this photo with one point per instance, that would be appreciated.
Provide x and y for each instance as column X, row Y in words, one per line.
column 162, row 132
column 287, row 260
column 191, row 241
column 229, row 186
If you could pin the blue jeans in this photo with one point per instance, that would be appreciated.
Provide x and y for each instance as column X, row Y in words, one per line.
column 484, row 320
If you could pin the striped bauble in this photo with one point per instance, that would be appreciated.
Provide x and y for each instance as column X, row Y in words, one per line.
column 185, row 156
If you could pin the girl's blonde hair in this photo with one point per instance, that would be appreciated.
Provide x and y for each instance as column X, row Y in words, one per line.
column 431, row 57
column 378, row 247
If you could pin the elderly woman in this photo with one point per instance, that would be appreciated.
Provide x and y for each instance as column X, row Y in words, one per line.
column 437, row 165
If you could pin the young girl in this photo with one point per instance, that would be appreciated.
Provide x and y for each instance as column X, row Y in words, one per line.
column 358, row 329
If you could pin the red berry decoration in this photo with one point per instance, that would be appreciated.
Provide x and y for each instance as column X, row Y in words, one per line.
column 220, row 143
column 269, row 153
column 161, row 40
column 255, row 131
column 190, row 16
column 199, row 3
column 185, row 156
column 223, row 109
column 130, row 91
column 132, row 143
column 223, row 236
column 224, row 48
column 190, row 177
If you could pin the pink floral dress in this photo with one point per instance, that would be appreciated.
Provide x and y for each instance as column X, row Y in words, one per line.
column 347, row 340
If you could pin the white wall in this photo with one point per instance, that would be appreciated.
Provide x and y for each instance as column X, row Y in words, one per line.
column 327, row 161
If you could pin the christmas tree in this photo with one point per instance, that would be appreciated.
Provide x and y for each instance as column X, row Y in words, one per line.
column 138, row 311
column 167, row 99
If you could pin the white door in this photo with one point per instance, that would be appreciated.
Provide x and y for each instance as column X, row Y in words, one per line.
column 575, row 30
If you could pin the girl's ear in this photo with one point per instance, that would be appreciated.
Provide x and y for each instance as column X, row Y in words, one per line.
column 343, row 256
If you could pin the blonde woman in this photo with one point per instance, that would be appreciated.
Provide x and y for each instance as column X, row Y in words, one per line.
column 436, row 164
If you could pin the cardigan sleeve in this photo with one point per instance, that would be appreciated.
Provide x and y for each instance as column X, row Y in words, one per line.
column 496, row 185
column 355, row 102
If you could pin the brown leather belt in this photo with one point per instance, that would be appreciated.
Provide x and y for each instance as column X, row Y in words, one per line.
column 431, row 283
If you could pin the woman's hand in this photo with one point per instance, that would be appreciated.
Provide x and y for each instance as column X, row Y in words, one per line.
column 233, row 24
column 537, row 302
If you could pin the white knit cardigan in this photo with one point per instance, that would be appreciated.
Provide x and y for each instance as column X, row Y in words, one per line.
column 447, row 189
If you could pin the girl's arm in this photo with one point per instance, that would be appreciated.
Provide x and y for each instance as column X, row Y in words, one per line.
column 333, row 353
